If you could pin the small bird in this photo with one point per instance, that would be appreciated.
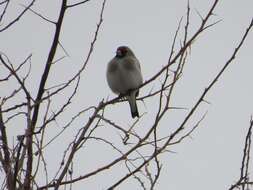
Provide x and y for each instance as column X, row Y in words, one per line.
column 124, row 76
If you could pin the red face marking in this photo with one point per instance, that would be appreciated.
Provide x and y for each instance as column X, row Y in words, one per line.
column 121, row 51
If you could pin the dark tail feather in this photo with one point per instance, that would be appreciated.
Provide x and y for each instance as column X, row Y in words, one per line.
column 134, row 110
column 133, row 105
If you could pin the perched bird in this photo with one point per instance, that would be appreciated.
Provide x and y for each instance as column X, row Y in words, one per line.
column 124, row 76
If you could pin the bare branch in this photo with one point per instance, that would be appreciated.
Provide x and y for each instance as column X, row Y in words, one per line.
column 12, row 71
column 18, row 17
column 244, row 176
column 76, row 4
column 4, row 10
column 39, row 15
column 6, row 162
column 44, row 77
column 228, row 62
column 17, row 164
column 246, row 155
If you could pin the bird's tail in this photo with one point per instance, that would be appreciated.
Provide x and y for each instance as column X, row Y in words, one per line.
column 133, row 106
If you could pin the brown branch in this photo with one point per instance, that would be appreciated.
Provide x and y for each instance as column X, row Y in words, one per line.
column 72, row 79
column 93, row 117
column 4, row 10
column 18, row 17
column 17, row 162
column 244, row 175
column 17, row 69
column 183, row 49
column 21, row 82
column 44, row 77
column 60, row 111
column 39, row 144
column 6, row 162
column 49, row 62
column 13, row 116
column 5, row 1
column 76, row 4
column 211, row 84
column 39, row 15
column 15, row 107
column 126, row 132
column 189, row 132
column 10, row 96
column 74, row 148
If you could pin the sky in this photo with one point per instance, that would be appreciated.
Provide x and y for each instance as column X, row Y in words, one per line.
column 211, row 158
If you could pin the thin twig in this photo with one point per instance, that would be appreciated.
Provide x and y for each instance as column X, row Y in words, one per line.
column 18, row 17
column 76, row 4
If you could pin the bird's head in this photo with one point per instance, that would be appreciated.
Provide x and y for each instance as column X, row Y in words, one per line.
column 123, row 51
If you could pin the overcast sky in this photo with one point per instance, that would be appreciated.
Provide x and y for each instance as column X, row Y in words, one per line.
column 211, row 158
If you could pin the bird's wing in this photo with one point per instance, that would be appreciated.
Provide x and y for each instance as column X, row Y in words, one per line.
column 112, row 66
column 132, row 63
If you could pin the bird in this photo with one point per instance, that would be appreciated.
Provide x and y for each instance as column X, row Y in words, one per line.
column 124, row 76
